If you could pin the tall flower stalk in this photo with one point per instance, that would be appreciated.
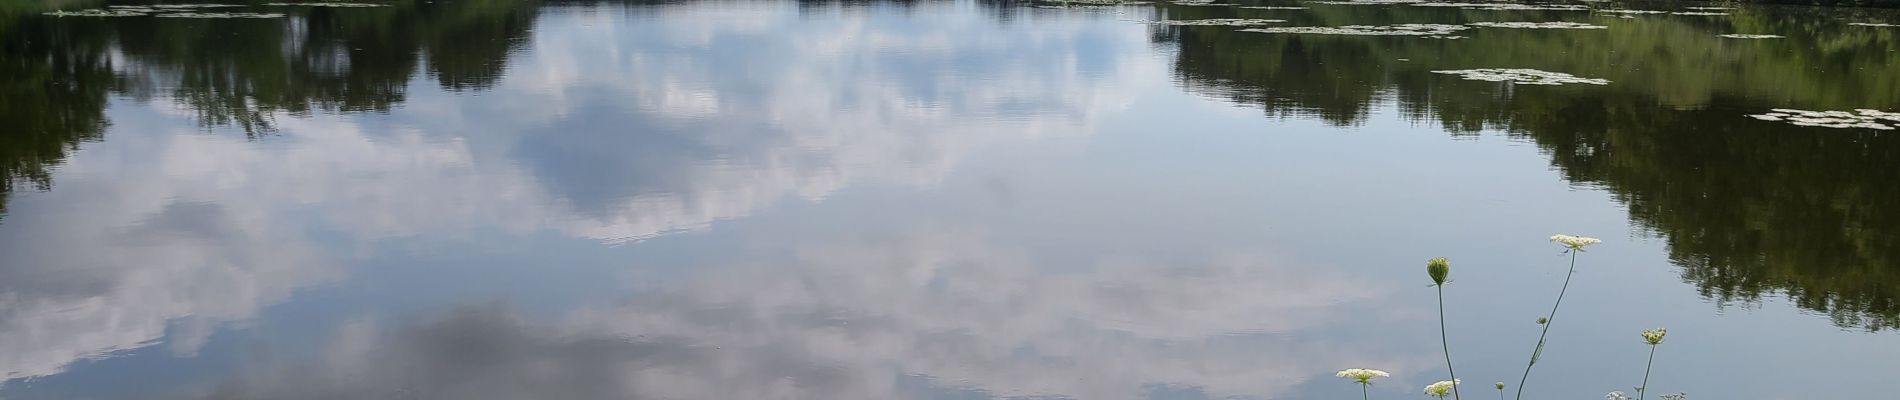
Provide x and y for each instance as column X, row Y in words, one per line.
column 1653, row 337
column 1572, row 245
column 1439, row 268
column 1364, row 377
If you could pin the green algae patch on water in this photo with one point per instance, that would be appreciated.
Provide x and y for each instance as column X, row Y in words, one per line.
column 1859, row 118
column 1522, row 76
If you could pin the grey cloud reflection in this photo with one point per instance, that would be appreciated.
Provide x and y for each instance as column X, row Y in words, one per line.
column 852, row 321
column 605, row 128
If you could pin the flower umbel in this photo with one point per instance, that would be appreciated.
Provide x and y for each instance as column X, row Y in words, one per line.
column 1574, row 242
column 1362, row 375
column 1616, row 395
column 1654, row 336
column 1438, row 268
column 1440, row 389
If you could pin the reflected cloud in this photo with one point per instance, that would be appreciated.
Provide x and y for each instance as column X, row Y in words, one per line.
column 660, row 128
column 911, row 317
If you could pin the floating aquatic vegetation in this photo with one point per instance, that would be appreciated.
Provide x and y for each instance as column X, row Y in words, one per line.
column 219, row 15
column 1436, row 31
column 1700, row 13
column 1217, row 21
column 1538, row 25
column 1860, row 118
column 1750, row 36
column 1272, row 8
column 1508, row 6
column 1368, row 2
column 97, row 13
column 1522, row 76
column 1874, row 24
column 337, row 5
column 161, row 10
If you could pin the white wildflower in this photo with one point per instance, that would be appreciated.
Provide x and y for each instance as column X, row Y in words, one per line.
column 1440, row 389
column 1362, row 375
column 1654, row 336
column 1574, row 242
column 1616, row 395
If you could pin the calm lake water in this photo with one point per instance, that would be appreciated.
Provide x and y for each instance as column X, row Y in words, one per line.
column 517, row 199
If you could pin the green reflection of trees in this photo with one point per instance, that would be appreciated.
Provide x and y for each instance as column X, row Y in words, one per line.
column 52, row 96
column 56, row 74
column 240, row 72
column 1747, row 207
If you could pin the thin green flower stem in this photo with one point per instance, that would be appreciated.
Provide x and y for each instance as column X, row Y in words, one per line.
column 1442, row 339
column 1643, row 391
column 1500, row 393
column 1548, row 320
column 1364, row 391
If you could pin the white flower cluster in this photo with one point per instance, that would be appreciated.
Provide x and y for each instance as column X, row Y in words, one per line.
column 1654, row 336
column 1509, row 6
column 1441, row 388
column 1217, row 22
column 1522, row 76
column 1574, row 242
column 1362, row 375
column 1427, row 30
column 1874, row 24
column 1860, row 118
column 1750, row 36
column 1538, row 25
column 1616, row 395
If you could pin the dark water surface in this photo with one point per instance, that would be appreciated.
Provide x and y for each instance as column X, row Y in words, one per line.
column 516, row 199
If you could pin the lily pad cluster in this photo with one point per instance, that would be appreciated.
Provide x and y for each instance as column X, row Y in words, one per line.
column 1508, row 6
column 1538, row 25
column 164, row 11
column 1523, row 76
column 1217, row 22
column 1632, row 12
column 1860, row 118
column 337, row 5
column 1368, row 2
column 1427, row 30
